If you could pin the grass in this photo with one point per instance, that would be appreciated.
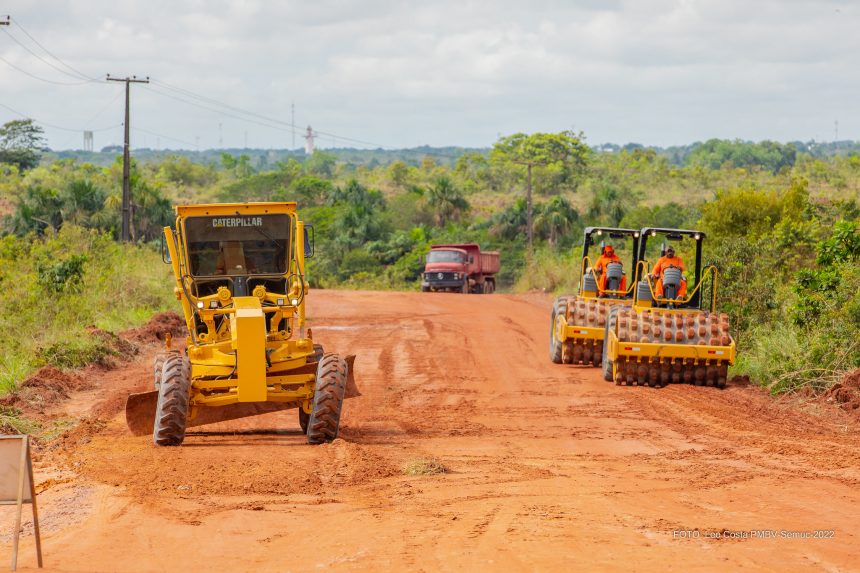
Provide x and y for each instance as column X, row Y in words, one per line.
column 550, row 271
column 45, row 322
column 12, row 422
column 783, row 358
column 424, row 467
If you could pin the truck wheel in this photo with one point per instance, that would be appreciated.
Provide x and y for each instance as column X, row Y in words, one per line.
column 171, row 411
column 492, row 287
column 559, row 307
column 465, row 289
column 324, row 421
column 606, row 363
column 425, row 288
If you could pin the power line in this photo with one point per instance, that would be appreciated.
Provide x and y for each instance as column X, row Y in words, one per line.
column 267, row 121
column 98, row 113
column 43, row 60
column 212, row 101
column 41, row 79
column 25, row 116
column 292, row 126
column 156, row 134
column 214, row 110
column 75, row 70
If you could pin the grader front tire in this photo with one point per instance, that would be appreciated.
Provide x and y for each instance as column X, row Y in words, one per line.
column 171, row 413
column 158, row 366
column 324, row 421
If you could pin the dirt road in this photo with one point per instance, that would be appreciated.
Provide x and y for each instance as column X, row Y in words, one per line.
column 549, row 467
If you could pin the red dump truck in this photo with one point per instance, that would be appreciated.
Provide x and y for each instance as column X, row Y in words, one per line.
column 460, row 268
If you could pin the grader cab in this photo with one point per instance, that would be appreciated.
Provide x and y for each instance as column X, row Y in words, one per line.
column 240, row 277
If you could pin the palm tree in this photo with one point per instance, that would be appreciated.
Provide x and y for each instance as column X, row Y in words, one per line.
column 446, row 200
column 610, row 203
column 555, row 218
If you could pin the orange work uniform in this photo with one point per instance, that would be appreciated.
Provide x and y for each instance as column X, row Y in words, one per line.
column 662, row 264
column 607, row 257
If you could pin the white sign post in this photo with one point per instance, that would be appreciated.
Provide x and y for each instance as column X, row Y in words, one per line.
column 16, row 487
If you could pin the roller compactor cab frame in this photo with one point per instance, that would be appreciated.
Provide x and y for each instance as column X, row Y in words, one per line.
column 577, row 322
column 239, row 274
column 660, row 340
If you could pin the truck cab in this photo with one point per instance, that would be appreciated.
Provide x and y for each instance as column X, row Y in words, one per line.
column 446, row 268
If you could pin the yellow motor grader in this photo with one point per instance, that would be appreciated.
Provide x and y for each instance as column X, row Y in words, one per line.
column 240, row 278
column 669, row 335
column 577, row 323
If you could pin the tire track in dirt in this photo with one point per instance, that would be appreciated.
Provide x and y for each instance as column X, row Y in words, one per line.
column 550, row 468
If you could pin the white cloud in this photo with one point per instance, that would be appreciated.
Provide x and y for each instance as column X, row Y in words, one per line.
column 453, row 72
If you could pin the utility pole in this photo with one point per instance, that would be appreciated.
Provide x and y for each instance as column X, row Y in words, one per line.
column 293, row 123
column 126, row 160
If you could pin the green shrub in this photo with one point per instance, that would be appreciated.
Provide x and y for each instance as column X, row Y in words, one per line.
column 50, row 297
column 62, row 276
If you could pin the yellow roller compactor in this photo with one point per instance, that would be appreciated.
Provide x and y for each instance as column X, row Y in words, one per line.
column 669, row 338
column 240, row 277
column 577, row 323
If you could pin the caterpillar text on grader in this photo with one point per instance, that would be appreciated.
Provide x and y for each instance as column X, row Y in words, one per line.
column 671, row 333
column 577, row 324
column 240, row 277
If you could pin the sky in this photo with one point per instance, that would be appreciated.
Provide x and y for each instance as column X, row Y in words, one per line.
column 373, row 73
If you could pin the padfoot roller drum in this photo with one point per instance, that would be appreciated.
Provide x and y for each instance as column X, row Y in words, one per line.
column 665, row 338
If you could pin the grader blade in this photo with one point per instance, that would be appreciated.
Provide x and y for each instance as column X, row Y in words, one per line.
column 140, row 408
column 351, row 388
column 140, row 412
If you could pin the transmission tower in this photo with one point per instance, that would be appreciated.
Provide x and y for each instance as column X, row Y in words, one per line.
column 309, row 141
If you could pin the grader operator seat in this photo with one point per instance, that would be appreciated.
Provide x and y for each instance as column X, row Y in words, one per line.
column 614, row 274
column 671, row 282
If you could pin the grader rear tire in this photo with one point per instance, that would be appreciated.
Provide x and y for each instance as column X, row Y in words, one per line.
column 324, row 421
column 171, row 412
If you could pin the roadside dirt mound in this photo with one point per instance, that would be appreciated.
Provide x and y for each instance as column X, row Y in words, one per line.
column 45, row 388
column 119, row 347
column 158, row 325
column 846, row 394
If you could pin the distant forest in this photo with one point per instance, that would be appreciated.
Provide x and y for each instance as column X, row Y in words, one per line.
column 712, row 153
